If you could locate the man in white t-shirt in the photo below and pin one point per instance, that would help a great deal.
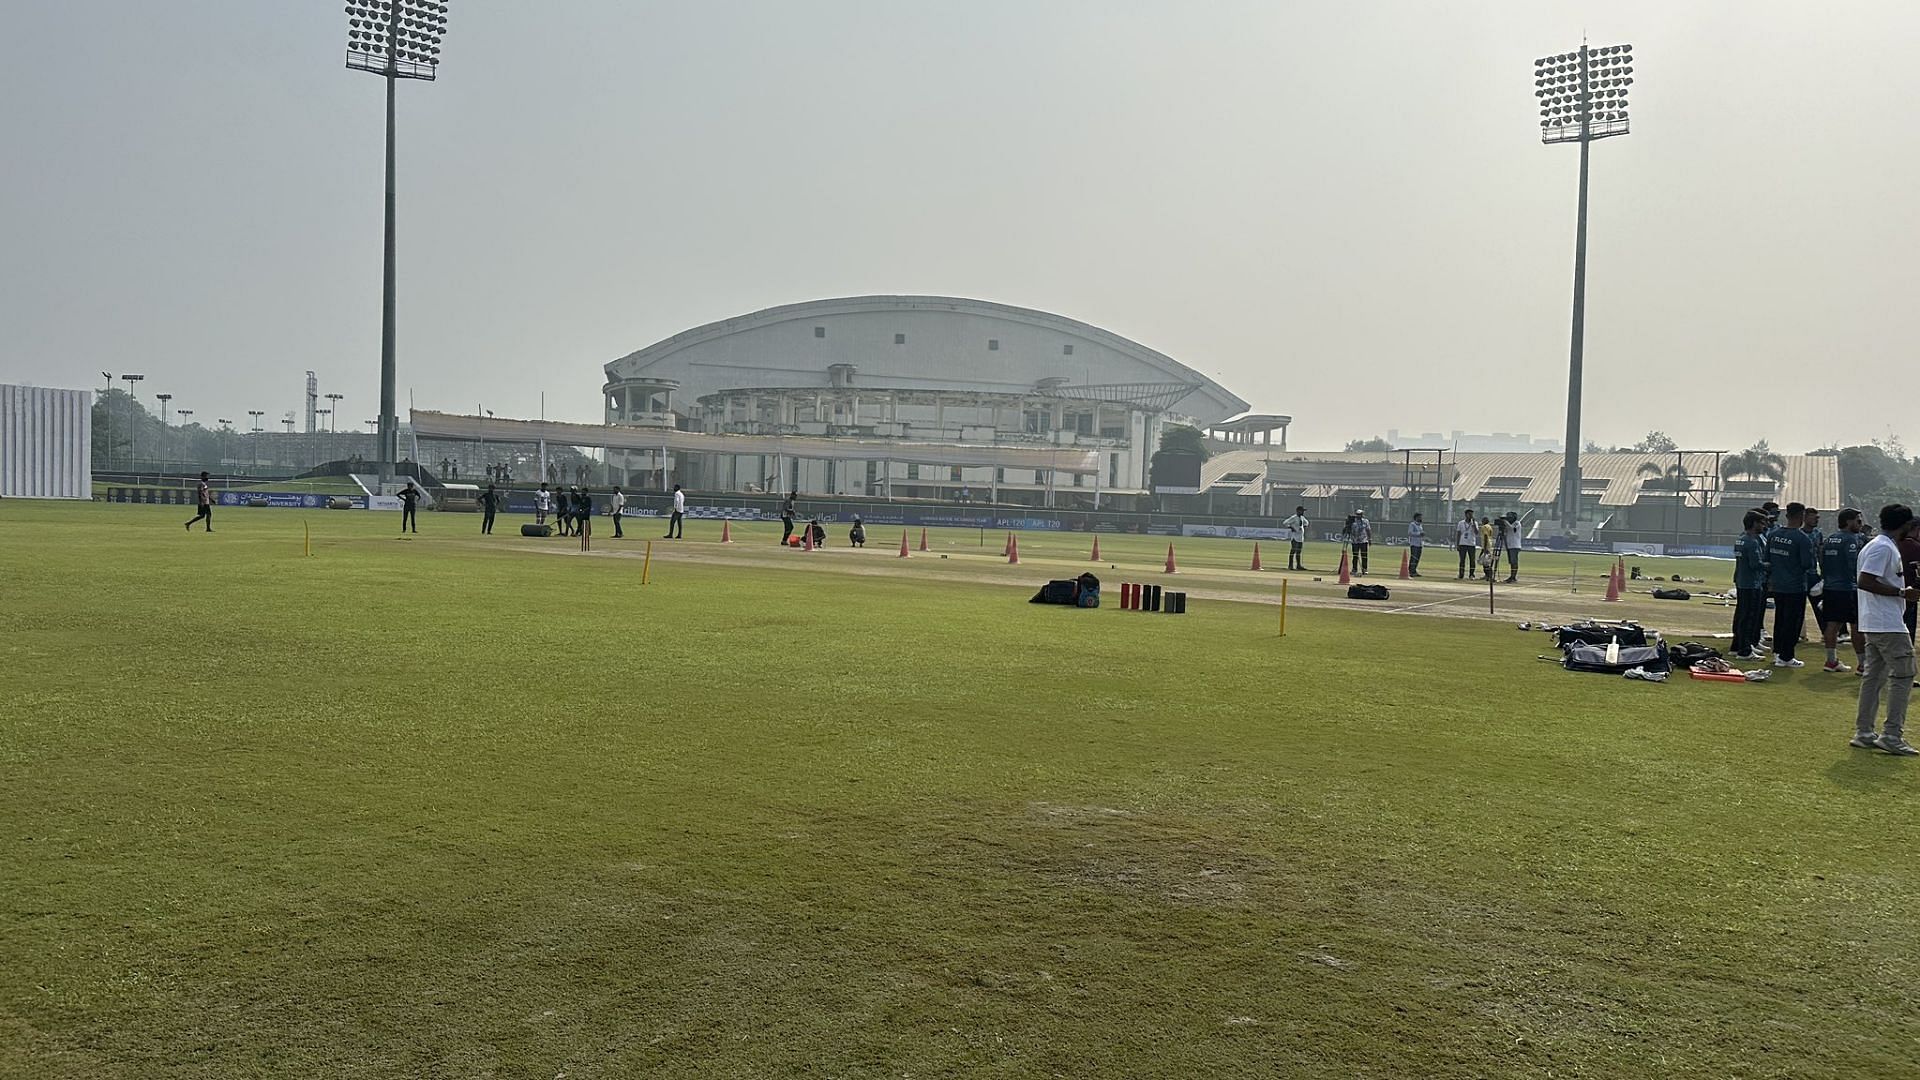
(617, 509)
(1297, 527)
(676, 530)
(1888, 663)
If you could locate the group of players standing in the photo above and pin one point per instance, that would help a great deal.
(1853, 582)
(1783, 556)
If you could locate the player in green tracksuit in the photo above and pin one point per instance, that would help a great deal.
(1840, 588)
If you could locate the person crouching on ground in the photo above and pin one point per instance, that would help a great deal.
(1416, 542)
(857, 536)
(818, 532)
(1839, 588)
(1884, 595)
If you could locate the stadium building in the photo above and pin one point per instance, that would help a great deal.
(930, 397)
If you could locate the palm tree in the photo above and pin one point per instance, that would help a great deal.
(1675, 478)
(1757, 462)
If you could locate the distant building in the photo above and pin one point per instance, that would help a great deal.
(1467, 442)
(912, 396)
(1618, 491)
(46, 443)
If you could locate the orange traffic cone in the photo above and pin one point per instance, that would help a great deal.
(923, 538)
(726, 531)
(1008, 550)
(1170, 567)
(1346, 572)
(1013, 549)
(807, 544)
(1613, 587)
(1406, 566)
(1095, 557)
(903, 544)
(1256, 555)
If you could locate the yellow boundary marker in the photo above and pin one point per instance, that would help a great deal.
(1283, 607)
(646, 565)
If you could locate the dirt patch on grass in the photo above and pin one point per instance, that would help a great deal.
(1135, 853)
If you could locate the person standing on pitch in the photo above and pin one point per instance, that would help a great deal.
(1466, 537)
(1888, 664)
(1816, 594)
(786, 519)
(1297, 527)
(1839, 591)
(1790, 562)
(1750, 587)
(203, 498)
(676, 525)
(489, 502)
(584, 505)
(616, 509)
(1362, 541)
(1513, 547)
(542, 504)
(1416, 542)
(410, 507)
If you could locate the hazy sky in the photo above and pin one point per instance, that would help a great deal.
(1342, 211)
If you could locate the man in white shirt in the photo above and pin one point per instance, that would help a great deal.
(1297, 527)
(542, 505)
(1466, 539)
(675, 529)
(1888, 663)
(617, 506)
(1416, 543)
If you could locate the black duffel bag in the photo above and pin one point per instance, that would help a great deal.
(1599, 635)
(1057, 592)
(1367, 592)
(1688, 653)
(1672, 594)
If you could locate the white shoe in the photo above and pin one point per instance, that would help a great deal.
(1835, 666)
(1777, 662)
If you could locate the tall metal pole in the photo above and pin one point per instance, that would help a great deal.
(1570, 472)
(389, 424)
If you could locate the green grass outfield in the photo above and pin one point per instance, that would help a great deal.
(458, 807)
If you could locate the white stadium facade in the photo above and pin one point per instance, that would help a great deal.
(927, 397)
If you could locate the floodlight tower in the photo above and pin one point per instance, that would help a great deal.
(133, 440)
(256, 414)
(333, 423)
(395, 39)
(107, 411)
(1583, 97)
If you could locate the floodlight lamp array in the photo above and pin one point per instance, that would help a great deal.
(1588, 87)
(399, 37)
